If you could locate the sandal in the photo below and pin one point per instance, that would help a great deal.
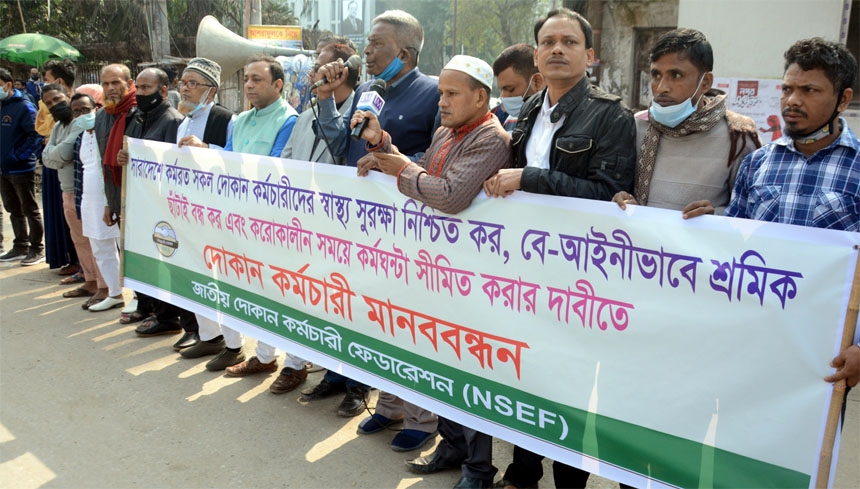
(91, 302)
(132, 318)
(79, 292)
(149, 321)
(76, 278)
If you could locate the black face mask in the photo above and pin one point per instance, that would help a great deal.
(146, 103)
(62, 112)
(34, 77)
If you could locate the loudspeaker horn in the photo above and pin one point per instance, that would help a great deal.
(230, 50)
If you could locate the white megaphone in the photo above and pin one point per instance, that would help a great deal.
(230, 50)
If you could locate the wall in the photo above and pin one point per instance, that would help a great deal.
(617, 75)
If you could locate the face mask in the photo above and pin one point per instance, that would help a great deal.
(34, 77)
(201, 104)
(512, 105)
(393, 69)
(61, 112)
(3, 93)
(673, 115)
(145, 103)
(86, 121)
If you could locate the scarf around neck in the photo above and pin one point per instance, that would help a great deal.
(704, 119)
(114, 143)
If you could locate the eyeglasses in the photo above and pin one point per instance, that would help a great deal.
(85, 110)
(193, 84)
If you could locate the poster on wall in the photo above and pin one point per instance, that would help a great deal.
(757, 99)
(352, 25)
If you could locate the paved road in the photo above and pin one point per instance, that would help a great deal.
(86, 404)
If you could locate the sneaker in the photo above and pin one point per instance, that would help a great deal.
(13, 255)
(33, 258)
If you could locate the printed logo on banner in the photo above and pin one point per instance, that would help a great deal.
(165, 239)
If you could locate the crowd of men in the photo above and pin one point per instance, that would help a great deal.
(442, 141)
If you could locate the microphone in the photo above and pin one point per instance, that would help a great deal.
(353, 63)
(371, 101)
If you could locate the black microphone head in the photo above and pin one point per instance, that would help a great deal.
(379, 86)
(353, 63)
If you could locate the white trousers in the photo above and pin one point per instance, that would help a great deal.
(106, 253)
(266, 353)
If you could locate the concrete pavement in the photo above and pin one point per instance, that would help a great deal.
(84, 403)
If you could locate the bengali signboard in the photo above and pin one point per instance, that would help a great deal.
(634, 344)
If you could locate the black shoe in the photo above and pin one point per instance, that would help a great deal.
(188, 340)
(354, 402)
(322, 390)
(158, 328)
(472, 483)
(430, 464)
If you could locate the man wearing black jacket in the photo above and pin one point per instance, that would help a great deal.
(572, 140)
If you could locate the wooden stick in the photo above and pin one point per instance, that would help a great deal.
(825, 458)
(122, 216)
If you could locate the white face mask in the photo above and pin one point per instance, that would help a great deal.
(673, 115)
(3, 93)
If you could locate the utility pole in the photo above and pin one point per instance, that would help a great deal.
(160, 32)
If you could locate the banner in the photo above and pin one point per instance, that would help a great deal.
(634, 344)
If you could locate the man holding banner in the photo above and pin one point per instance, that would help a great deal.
(447, 177)
(572, 140)
(811, 176)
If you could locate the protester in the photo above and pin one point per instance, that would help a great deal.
(263, 130)
(811, 176)
(309, 144)
(411, 100)
(447, 177)
(34, 85)
(59, 154)
(571, 140)
(100, 201)
(60, 250)
(690, 145)
(19, 144)
(518, 79)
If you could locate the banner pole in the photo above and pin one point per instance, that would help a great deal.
(122, 216)
(825, 458)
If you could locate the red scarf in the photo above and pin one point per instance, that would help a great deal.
(438, 162)
(114, 143)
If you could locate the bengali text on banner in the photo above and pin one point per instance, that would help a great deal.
(633, 344)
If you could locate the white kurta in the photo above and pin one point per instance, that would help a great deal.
(93, 201)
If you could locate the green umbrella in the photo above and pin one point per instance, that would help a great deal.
(35, 49)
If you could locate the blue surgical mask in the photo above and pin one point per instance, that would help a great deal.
(393, 69)
(3, 93)
(201, 104)
(673, 115)
(512, 105)
(86, 121)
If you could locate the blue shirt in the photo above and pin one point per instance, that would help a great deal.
(777, 183)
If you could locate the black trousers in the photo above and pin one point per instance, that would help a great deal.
(18, 192)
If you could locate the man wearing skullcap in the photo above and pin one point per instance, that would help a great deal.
(470, 146)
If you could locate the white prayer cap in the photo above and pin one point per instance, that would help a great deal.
(474, 67)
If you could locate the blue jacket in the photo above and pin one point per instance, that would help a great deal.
(409, 115)
(19, 141)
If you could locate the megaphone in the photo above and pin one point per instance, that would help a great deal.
(230, 50)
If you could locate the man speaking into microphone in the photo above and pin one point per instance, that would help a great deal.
(392, 52)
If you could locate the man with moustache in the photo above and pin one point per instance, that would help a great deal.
(206, 124)
(262, 130)
(571, 140)
(411, 101)
(811, 176)
(59, 154)
(448, 176)
(690, 144)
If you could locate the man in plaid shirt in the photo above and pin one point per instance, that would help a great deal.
(811, 176)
